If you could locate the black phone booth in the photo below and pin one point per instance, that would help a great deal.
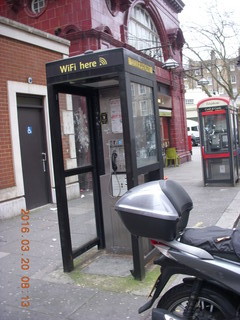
(114, 91)
(218, 124)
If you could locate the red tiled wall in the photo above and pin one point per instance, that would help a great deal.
(58, 14)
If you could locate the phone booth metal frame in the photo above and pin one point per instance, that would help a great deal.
(87, 73)
(218, 123)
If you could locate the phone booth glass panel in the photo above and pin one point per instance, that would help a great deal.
(144, 124)
(215, 132)
(219, 140)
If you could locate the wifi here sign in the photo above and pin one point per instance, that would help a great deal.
(81, 65)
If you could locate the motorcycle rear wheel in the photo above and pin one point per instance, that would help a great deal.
(211, 305)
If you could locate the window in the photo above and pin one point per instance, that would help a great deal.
(37, 6)
(112, 6)
(221, 90)
(142, 33)
(195, 128)
(34, 8)
(209, 80)
(133, 90)
(232, 67)
(189, 101)
(135, 108)
(142, 89)
(144, 108)
(235, 90)
(233, 79)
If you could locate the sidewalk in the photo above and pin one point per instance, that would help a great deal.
(209, 203)
(101, 286)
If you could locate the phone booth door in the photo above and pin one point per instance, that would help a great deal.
(219, 145)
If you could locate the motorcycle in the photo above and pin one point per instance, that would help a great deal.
(208, 258)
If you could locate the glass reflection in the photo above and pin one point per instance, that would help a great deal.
(81, 209)
(144, 124)
(75, 131)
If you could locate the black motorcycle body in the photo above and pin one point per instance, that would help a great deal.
(207, 259)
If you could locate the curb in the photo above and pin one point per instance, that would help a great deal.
(231, 215)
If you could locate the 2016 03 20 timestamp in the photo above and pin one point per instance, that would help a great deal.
(25, 260)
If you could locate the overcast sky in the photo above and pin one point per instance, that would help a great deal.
(195, 11)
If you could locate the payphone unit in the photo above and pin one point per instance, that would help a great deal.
(112, 133)
(219, 140)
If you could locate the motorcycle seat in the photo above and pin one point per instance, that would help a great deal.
(220, 242)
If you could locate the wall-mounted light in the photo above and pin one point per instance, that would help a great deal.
(170, 64)
(203, 82)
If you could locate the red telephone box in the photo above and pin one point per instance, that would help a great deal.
(219, 140)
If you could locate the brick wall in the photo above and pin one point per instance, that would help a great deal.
(18, 61)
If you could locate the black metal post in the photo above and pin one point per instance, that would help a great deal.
(138, 258)
(63, 218)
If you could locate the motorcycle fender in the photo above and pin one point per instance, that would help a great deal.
(166, 273)
(149, 304)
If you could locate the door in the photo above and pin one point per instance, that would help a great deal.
(77, 153)
(33, 151)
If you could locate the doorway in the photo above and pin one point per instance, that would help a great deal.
(33, 146)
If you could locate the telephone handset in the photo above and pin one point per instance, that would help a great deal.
(117, 156)
(114, 164)
(117, 166)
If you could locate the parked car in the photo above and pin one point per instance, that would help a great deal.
(193, 131)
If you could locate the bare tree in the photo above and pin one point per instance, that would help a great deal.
(216, 50)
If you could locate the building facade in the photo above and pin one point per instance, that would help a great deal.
(222, 79)
(148, 28)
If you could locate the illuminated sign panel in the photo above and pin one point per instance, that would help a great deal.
(140, 65)
(98, 63)
(84, 63)
(67, 68)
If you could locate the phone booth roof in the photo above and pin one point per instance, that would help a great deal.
(214, 101)
(98, 68)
